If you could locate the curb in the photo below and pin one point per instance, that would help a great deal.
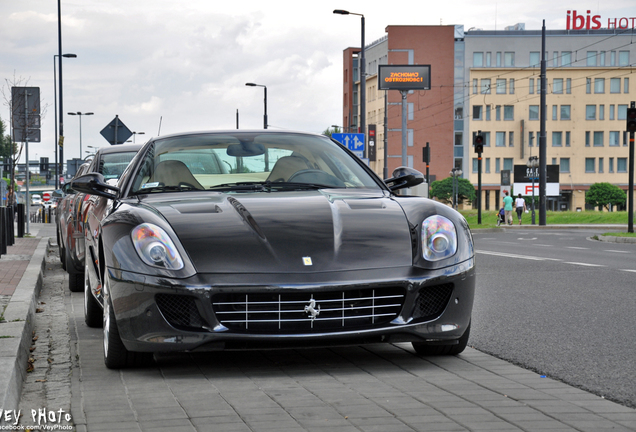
(14, 350)
(614, 239)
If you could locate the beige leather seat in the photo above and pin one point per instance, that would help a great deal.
(286, 166)
(174, 173)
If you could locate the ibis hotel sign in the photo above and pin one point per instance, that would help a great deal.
(405, 77)
(585, 21)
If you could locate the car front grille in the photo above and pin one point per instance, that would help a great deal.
(180, 311)
(432, 300)
(308, 312)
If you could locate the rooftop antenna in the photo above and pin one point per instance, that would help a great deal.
(159, 131)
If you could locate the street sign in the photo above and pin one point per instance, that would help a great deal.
(116, 132)
(46, 196)
(352, 141)
(25, 113)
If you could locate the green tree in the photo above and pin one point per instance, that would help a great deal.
(332, 130)
(443, 190)
(604, 194)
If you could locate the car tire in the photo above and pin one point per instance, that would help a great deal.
(93, 315)
(75, 278)
(116, 356)
(438, 350)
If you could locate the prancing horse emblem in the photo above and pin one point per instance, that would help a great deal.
(312, 310)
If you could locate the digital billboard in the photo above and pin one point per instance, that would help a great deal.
(405, 77)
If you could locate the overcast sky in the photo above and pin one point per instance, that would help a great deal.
(184, 65)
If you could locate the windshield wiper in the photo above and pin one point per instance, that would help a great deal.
(163, 189)
(243, 186)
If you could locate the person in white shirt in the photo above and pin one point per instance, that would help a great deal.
(520, 206)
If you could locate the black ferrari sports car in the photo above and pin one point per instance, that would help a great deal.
(267, 239)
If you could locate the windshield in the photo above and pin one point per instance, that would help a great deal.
(246, 161)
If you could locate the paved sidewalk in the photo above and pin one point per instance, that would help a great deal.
(21, 270)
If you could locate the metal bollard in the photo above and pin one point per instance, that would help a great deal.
(21, 220)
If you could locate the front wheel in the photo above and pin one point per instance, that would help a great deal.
(75, 278)
(437, 350)
(116, 356)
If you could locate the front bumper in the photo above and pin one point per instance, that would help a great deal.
(216, 312)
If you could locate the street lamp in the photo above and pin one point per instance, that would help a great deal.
(80, 114)
(363, 74)
(533, 164)
(455, 173)
(57, 173)
(137, 133)
(265, 88)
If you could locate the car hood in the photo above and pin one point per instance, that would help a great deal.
(307, 231)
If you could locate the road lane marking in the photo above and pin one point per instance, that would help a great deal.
(508, 255)
(617, 251)
(576, 247)
(584, 264)
(629, 270)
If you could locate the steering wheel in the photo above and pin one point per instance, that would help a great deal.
(317, 177)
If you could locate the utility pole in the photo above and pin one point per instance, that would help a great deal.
(543, 153)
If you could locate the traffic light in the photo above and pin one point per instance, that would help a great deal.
(44, 164)
(631, 119)
(478, 142)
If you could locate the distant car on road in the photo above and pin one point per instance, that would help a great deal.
(36, 200)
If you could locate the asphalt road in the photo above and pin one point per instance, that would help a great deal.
(561, 304)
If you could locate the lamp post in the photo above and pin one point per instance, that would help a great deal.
(455, 173)
(80, 114)
(137, 133)
(533, 164)
(363, 74)
(265, 114)
(57, 173)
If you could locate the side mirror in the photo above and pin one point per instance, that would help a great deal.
(94, 184)
(404, 177)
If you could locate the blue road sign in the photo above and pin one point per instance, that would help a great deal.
(353, 141)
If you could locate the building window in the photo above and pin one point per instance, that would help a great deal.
(611, 112)
(566, 58)
(533, 111)
(478, 59)
(564, 166)
(622, 112)
(623, 58)
(498, 59)
(531, 86)
(511, 85)
(509, 112)
(511, 139)
(601, 112)
(500, 139)
(498, 112)
(626, 85)
(488, 112)
(557, 86)
(587, 139)
(591, 58)
(621, 165)
(565, 112)
(475, 86)
(477, 112)
(588, 85)
(590, 112)
(615, 85)
(487, 165)
(568, 85)
(567, 138)
(501, 86)
(554, 161)
(625, 135)
(599, 85)
(598, 138)
(530, 139)
(614, 138)
(488, 58)
(557, 139)
(590, 165)
(610, 168)
(601, 58)
(600, 165)
(475, 165)
(555, 59)
(507, 164)
(509, 58)
(554, 112)
(486, 136)
(497, 165)
(535, 59)
(485, 86)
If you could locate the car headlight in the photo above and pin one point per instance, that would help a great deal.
(155, 248)
(439, 238)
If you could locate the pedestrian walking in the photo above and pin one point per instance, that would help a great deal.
(520, 206)
(507, 204)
